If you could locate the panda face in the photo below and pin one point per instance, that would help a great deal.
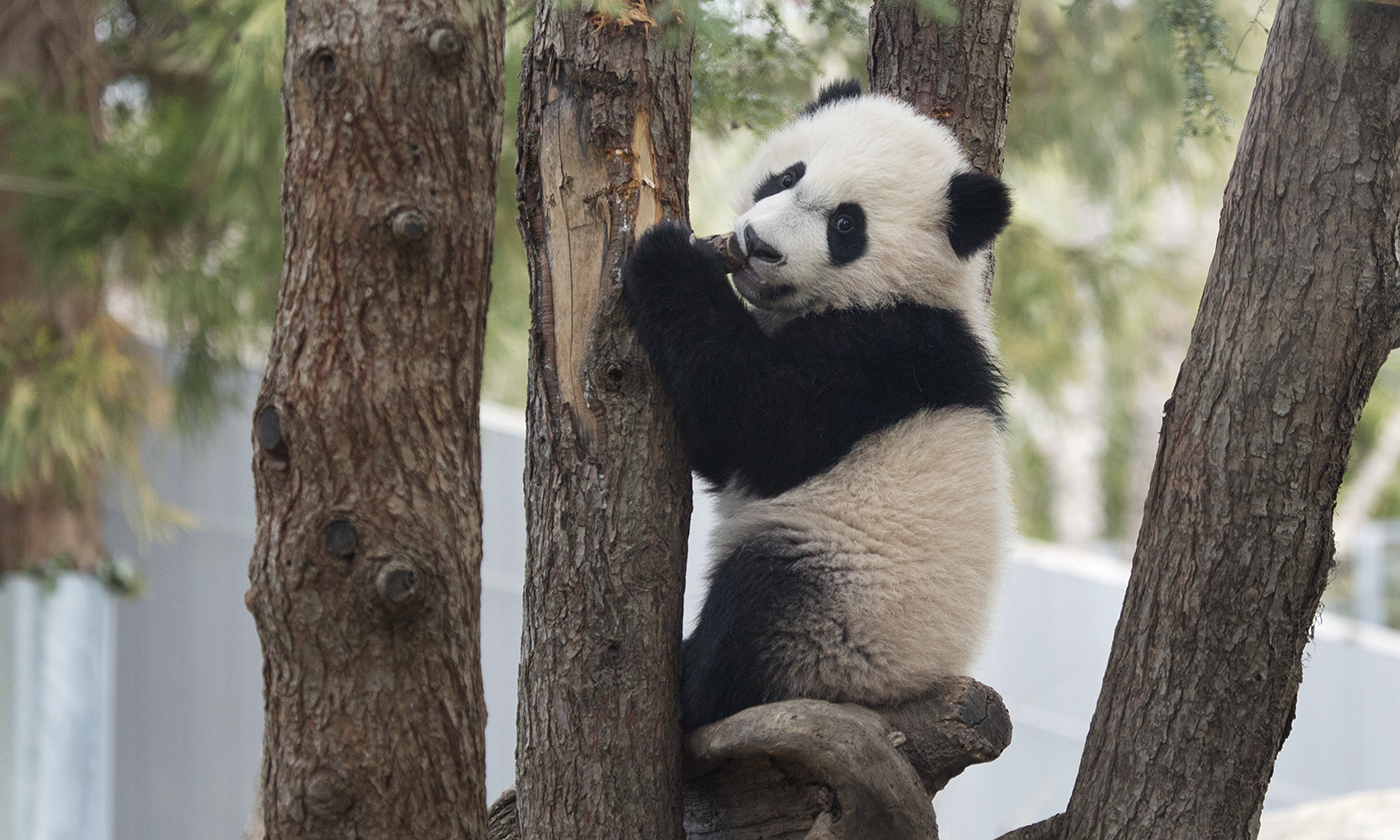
(862, 202)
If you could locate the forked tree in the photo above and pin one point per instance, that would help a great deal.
(604, 122)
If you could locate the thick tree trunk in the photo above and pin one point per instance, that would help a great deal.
(1298, 314)
(604, 153)
(50, 46)
(959, 73)
(366, 574)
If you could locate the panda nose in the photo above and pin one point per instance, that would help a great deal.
(757, 249)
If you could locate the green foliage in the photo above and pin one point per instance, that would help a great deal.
(751, 69)
(1113, 225)
(71, 400)
(167, 199)
(1200, 34)
(179, 199)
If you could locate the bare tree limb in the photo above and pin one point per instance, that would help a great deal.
(813, 770)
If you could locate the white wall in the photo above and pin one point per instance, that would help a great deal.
(55, 708)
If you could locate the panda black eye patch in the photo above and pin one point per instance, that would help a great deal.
(845, 234)
(785, 180)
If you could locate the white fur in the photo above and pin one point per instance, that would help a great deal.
(881, 154)
(910, 530)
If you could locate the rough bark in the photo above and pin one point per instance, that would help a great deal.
(50, 45)
(959, 73)
(366, 573)
(604, 153)
(1299, 312)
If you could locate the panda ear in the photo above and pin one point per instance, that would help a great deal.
(979, 206)
(834, 92)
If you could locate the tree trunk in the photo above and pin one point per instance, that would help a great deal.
(52, 47)
(959, 73)
(1298, 313)
(366, 574)
(604, 154)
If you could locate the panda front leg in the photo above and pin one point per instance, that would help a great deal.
(699, 336)
(678, 294)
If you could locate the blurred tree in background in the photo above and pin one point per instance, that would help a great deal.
(142, 194)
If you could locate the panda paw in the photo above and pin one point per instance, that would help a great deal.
(669, 255)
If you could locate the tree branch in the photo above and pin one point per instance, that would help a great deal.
(813, 770)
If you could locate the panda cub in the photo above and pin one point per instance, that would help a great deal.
(851, 421)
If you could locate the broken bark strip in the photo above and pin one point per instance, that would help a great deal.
(812, 769)
(604, 153)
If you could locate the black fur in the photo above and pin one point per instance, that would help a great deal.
(765, 583)
(834, 92)
(772, 411)
(979, 207)
(779, 182)
(845, 234)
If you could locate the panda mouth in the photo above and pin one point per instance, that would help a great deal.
(758, 291)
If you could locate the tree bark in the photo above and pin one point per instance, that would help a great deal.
(604, 154)
(52, 47)
(1298, 313)
(959, 73)
(366, 573)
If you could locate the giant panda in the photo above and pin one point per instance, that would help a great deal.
(849, 416)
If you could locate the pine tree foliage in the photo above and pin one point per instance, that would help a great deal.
(166, 206)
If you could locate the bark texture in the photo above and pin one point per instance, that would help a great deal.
(50, 45)
(604, 154)
(1299, 311)
(959, 73)
(366, 574)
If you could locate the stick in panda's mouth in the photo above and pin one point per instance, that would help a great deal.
(728, 247)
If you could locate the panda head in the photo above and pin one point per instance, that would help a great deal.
(861, 202)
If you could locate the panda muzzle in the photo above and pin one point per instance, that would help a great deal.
(759, 250)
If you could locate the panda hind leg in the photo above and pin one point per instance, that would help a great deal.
(738, 656)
